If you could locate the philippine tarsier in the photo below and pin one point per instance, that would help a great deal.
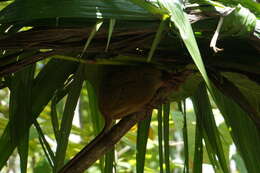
(124, 91)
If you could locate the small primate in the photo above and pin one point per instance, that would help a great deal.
(123, 91)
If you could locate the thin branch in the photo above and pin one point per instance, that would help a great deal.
(105, 144)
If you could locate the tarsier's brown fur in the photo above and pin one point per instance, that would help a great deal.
(124, 91)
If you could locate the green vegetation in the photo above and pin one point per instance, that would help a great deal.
(54, 56)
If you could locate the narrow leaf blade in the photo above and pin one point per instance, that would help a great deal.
(48, 80)
(142, 136)
(91, 36)
(160, 138)
(157, 38)
(211, 136)
(112, 23)
(166, 129)
(67, 118)
(198, 153)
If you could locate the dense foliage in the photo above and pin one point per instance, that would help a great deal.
(54, 56)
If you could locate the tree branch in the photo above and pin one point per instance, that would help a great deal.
(105, 144)
(16, 66)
